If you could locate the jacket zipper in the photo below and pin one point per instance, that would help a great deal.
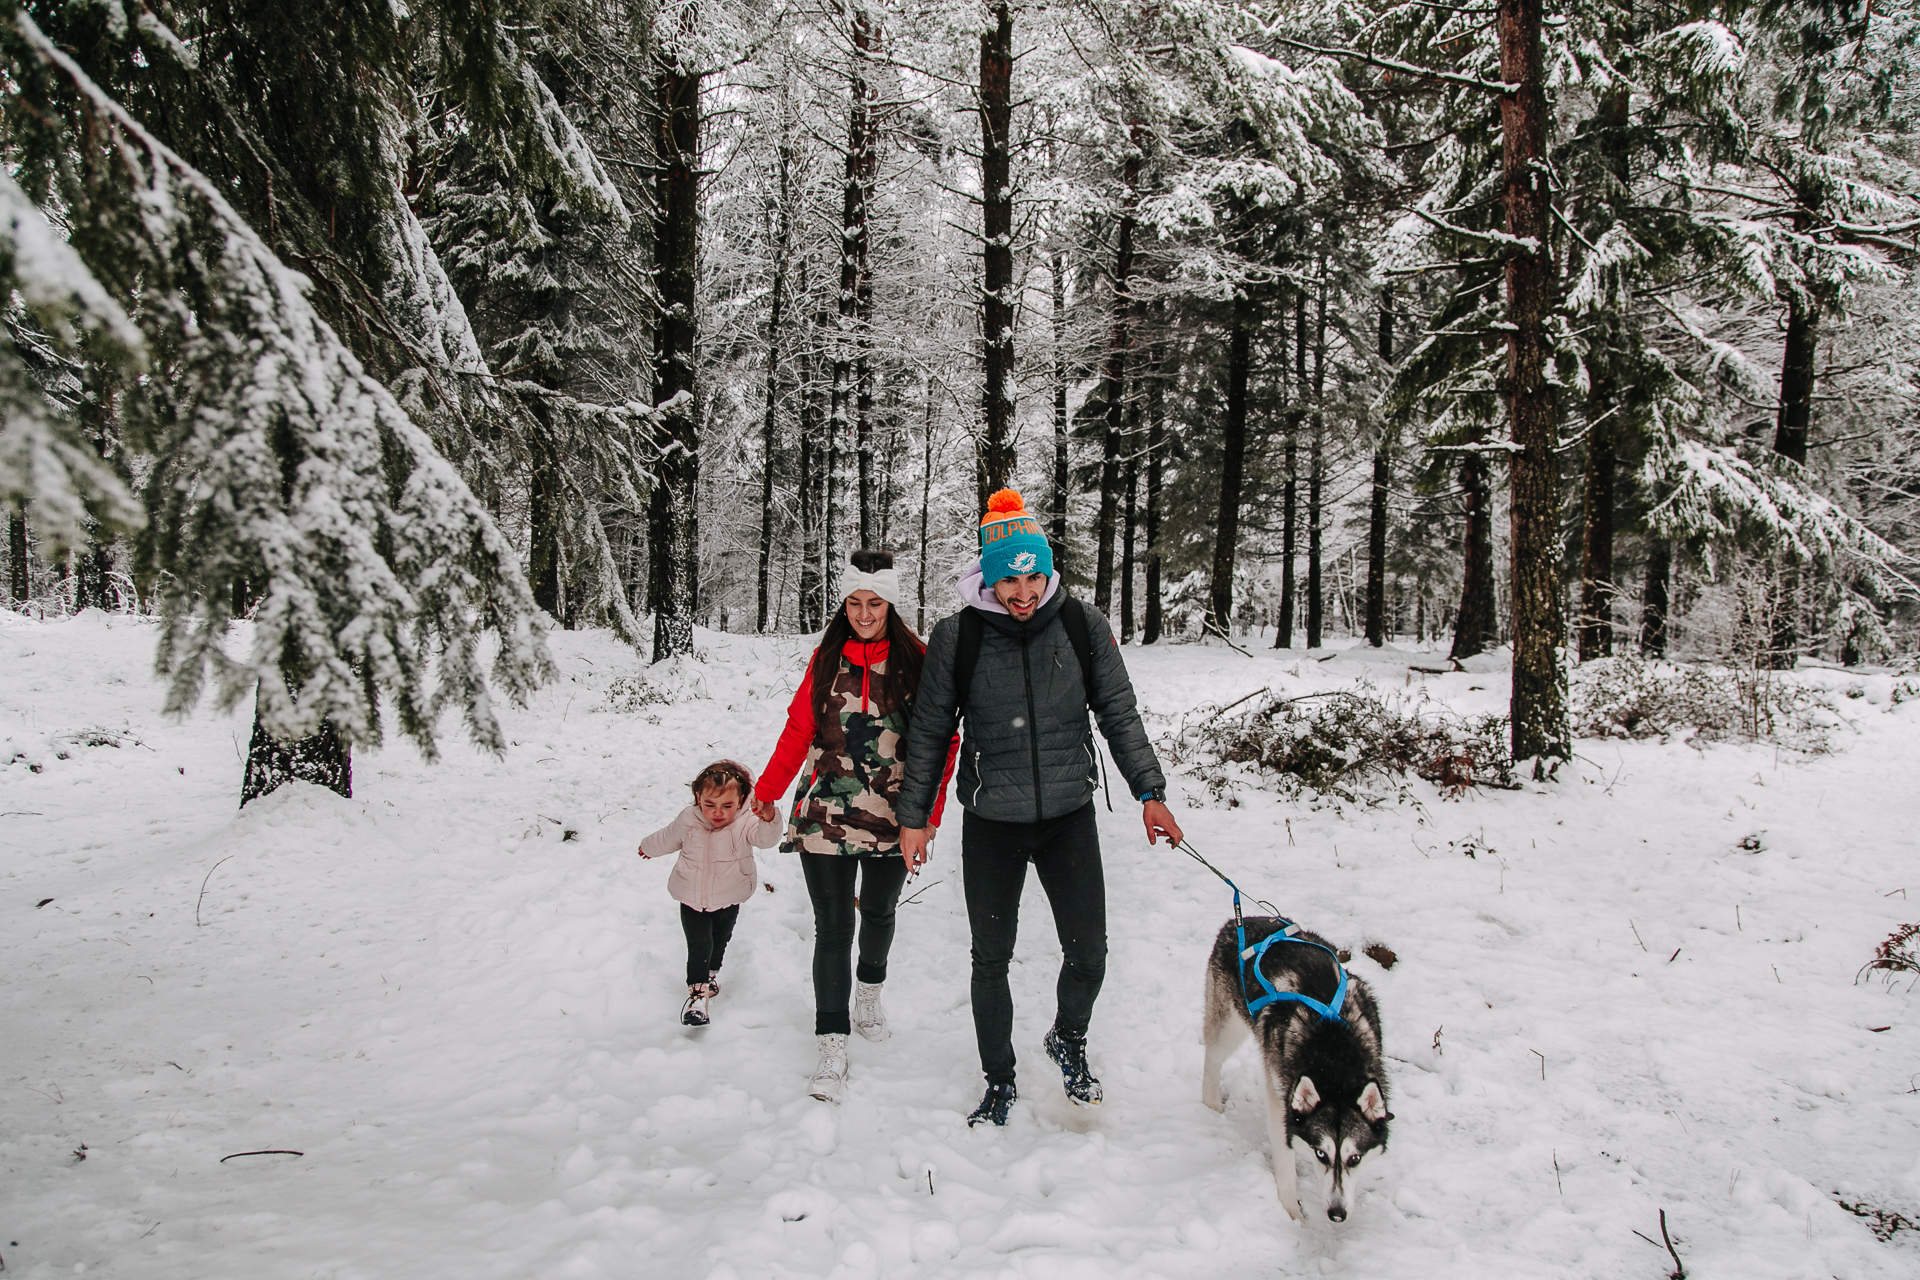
(978, 779)
(1033, 730)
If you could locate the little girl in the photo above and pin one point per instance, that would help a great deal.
(715, 837)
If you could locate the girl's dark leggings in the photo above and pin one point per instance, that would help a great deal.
(708, 933)
(830, 883)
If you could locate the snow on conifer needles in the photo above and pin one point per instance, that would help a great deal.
(287, 478)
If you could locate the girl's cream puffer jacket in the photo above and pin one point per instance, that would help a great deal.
(716, 868)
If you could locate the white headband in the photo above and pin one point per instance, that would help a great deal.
(884, 583)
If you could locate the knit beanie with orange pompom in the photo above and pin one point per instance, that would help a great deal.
(1010, 540)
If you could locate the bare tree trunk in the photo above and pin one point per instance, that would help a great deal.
(1156, 450)
(1377, 513)
(926, 503)
(544, 498)
(1226, 529)
(1062, 465)
(1799, 370)
(1595, 632)
(1115, 380)
(1128, 521)
(1290, 499)
(1539, 696)
(19, 584)
(672, 534)
(996, 196)
(782, 250)
(1317, 470)
(1475, 627)
(1653, 598)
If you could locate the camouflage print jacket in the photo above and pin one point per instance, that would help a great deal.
(853, 761)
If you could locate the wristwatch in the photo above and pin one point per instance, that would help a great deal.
(1154, 793)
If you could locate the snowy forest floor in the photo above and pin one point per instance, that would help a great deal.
(456, 994)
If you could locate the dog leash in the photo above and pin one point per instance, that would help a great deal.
(1288, 932)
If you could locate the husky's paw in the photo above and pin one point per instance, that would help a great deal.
(1294, 1211)
(1213, 1101)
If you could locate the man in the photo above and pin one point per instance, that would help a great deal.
(1023, 663)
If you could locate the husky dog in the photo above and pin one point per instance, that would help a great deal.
(1325, 1089)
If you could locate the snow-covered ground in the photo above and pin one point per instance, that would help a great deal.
(456, 995)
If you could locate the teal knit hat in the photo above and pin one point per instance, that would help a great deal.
(1010, 540)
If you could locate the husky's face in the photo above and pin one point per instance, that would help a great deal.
(1339, 1134)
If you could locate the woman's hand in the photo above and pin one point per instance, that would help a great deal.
(765, 811)
(916, 846)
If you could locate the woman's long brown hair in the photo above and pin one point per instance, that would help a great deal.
(905, 650)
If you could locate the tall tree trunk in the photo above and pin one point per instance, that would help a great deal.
(996, 198)
(776, 308)
(862, 164)
(1653, 597)
(1799, 369)
(321, 758)
(1317, 471)
(1595, 632)
(545, 496)
(1539, 695)
(1156, 450)
(926, 504)
(19, 584)
(1128, 520)
(1114, 383)
(1062, 463)
(672, 534)
(1476, 626)
(1377, 513)
(809, 585)
(1226, 535)
(1290, 498)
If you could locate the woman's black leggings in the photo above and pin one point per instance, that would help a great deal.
(830, 883)
(708, 933)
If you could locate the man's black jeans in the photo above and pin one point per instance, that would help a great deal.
(1065, 853)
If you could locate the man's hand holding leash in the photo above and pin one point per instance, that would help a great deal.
(1159, 820)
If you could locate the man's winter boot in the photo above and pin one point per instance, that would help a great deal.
(694, 1012)
(1069, 1053)
(993, 1106)
(869, 1019)
(830, 1078)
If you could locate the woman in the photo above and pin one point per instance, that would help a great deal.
(848, 725)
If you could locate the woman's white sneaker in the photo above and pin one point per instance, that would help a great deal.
(869, 1019)
(830, 1078)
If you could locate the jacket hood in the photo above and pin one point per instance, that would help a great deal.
(973, 590)
(864, 653)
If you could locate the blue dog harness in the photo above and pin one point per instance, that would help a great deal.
(1287, 932)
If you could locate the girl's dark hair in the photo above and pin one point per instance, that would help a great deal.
(720, 775)
(905, 650)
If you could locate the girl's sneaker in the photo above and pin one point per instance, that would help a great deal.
(830, 1078)
(869, 1019)
(694, 1012)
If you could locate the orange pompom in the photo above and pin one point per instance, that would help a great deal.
(1006, 500)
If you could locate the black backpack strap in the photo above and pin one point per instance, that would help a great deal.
(966, 656)
(1073, 615)
(966, 651)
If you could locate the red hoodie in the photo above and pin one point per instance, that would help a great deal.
(797, 738)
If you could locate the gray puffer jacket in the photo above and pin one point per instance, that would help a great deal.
(1028, 751)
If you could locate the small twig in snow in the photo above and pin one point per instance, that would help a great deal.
(274, 1151)
(1556, 1174)
(1679, 1268)
(1436, 1038)
(1543, 1062)
(203, 891)
(1674, 956)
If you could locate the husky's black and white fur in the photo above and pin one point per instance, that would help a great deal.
(1325, 1089)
